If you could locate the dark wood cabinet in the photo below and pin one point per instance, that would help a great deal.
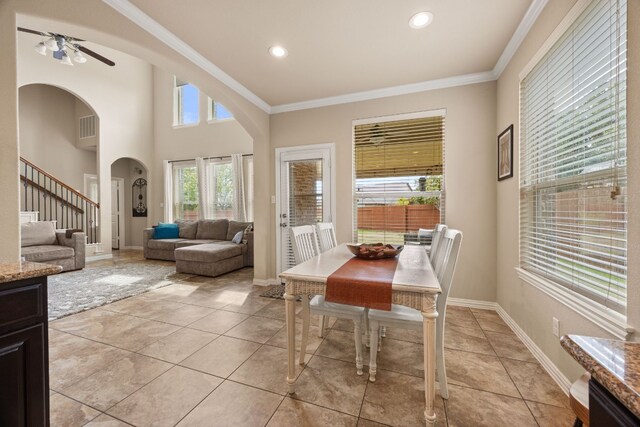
(24, 354)
(606, 410)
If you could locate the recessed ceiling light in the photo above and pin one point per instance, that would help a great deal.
(278, 51)
(420, 20)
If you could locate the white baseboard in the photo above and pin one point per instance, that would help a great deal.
(98, 257)
(135, 248)
(471, 303)
(546, 363)
(555, 373)
(266, 282)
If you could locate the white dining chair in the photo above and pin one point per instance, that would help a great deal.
(327, 239)
(305, 246)
(409, 318)
(438, 232)
(326, 236)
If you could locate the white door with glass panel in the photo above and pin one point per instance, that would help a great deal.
(305, 193)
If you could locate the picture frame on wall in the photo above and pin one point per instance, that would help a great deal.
(505, 154)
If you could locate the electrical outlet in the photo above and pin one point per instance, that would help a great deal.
(556, 327)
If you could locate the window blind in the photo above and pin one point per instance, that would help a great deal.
(573, 186)
(399, 186)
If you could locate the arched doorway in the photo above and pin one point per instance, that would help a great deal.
(129, 203)
(58, 156)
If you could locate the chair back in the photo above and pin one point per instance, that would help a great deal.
(445, 267)
(438, 232)
(304, 242)
(326, 236)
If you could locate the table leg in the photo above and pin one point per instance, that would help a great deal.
(429, 314)
(290, 307)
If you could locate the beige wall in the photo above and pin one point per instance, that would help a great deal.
(48, 134)
(101, 24)
(530, 308)
(9, 176)
(469, 162)
(188, 142)
(133, 226)
(122, 98)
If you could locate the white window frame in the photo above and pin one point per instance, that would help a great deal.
(603, 317)
(397, 117)
(177, 107)
(174, 166)
(211, 118)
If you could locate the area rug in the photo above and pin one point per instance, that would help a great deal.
(76, 291)
(275, 291)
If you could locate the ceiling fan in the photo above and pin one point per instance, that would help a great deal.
(63, 46)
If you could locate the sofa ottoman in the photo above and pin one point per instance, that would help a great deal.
(210, 259)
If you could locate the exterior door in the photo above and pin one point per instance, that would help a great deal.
(305, 196)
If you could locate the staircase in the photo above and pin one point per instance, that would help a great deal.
(56, 201)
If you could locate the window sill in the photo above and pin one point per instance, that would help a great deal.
(190, 125)
(605, 318)
(230, 119)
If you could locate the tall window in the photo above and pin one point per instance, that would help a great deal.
(573, 183)
(185, 103)
(185, 191)
(218, 112)
(398, 178)
(221, 188)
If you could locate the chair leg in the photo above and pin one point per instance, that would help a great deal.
(379, 329)
(374, 333)
(305, 328)
(357, 333)
(383, 332)
(440, 367)
(324, 320)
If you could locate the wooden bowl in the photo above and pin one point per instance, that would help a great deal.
(372, 251)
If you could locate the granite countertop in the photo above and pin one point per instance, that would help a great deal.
(10, 272)
(613, 363)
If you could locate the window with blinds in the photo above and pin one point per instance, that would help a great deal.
(399, 178)
(573, 158)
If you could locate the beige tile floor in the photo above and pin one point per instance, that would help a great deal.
(211, 352)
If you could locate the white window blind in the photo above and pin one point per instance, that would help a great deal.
(399, 185)
(573, 186)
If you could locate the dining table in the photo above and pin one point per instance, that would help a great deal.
(414, 285)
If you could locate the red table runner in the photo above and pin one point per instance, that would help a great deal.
(365, 283)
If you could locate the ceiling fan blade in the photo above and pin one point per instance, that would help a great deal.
(95, 55)
(26, 30)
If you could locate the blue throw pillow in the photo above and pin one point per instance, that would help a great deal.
(166, 231)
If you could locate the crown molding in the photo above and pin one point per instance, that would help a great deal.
(518, 36)
(444, 83)
(130, 11)
(147, 23)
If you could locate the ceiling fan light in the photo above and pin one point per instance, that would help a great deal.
(52, 44)
(66, 60)
(79, 57)
(40, 48)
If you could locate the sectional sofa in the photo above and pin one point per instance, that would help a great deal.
(204, 247)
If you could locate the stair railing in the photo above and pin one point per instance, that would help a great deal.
(57, 201)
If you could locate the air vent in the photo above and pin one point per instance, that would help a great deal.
(87, 127)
